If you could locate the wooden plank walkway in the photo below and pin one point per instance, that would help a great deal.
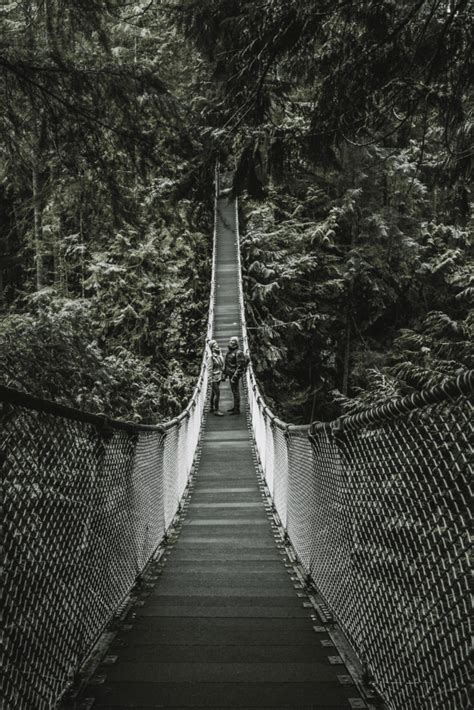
(222, 626)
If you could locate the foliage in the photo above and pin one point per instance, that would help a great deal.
(54, 352)
(105, 238)
(350, 126)
(381, 298)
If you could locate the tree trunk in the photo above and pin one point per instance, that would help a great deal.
(38, 226)
(347, 352)
(435, 202)
(60, 278)
(350, 294)
(2, 295)
(58, 267)
(83, 267)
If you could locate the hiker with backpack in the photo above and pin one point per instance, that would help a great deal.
(236, 363)
(216, 369)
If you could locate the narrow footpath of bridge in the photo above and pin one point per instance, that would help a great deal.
(222, 625)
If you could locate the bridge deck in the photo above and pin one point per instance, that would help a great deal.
(223, 627)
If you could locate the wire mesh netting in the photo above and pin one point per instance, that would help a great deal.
(84, 510)
(378, 514)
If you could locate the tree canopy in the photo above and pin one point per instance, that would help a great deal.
(350, 127)
(105, 206)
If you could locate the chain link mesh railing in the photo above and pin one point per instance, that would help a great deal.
(377, 508)
(86, 503)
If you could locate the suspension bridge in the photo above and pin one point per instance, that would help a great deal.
(236, 562)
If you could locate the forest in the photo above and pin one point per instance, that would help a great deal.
(349, 127)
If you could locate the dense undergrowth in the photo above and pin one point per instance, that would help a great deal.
(348, 303)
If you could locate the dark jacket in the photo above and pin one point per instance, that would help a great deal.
(234, 363)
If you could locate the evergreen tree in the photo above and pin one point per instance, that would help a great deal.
(105, 239)
(349, 123)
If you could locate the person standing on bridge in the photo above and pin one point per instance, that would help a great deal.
(235, 364)
(216, 368)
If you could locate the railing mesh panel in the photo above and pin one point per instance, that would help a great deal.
(148, 494)
(269, 453)
(84, 510)
(170, 478)
(301, 495)
(280, 473)
(379, 517)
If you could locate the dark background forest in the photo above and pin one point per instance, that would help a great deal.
(349, 126)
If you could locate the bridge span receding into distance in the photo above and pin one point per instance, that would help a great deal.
(237, 561)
